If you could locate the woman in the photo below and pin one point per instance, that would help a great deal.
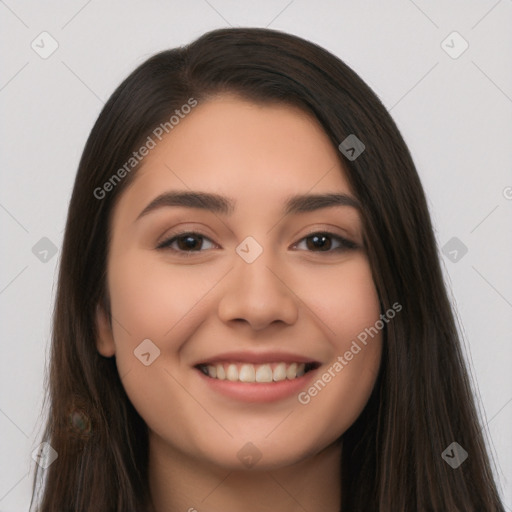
(212, 349)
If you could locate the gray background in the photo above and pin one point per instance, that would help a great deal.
(454, 113)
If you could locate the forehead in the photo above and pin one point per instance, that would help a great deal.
(248, 151)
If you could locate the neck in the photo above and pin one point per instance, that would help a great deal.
(179, 483)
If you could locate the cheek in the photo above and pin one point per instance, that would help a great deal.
(157, 301)
(154, 299)
(357, 340)
(349, 310)
(345, 300)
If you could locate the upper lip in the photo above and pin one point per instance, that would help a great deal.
(257, 358)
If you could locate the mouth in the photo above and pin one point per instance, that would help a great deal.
(249, 373)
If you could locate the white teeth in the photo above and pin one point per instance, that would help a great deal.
(291, 371)
(264, 373)
(279, 372)
(221, 374)
(246, 372)
(232, 373)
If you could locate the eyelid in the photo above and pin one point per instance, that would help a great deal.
(328, 230)
(346, 244)
(176, 234)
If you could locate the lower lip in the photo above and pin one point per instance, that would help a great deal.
(259, 392)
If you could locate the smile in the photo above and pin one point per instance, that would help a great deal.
(256, 373)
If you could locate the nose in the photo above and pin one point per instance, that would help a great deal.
(257, 294)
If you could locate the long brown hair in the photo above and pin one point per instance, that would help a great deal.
(422, 400)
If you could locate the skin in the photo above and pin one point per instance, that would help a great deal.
(292, 298)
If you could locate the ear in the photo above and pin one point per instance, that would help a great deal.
(105, 339)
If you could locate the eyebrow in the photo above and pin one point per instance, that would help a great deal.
(226, 206)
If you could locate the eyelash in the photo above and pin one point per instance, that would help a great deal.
(345, 245)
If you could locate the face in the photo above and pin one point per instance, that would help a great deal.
(236, 317)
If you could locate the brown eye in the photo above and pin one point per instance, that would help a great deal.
(185, 242)
(323, 242)
(320, 242)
